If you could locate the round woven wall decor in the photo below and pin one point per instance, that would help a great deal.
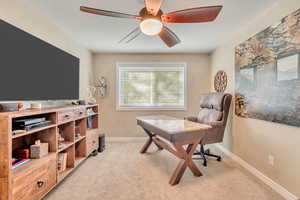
(220, 82)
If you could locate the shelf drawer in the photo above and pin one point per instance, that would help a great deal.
(92, 140)
(65, 116)
(36, 181)
(78, 113)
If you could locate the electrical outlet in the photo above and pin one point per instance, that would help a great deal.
(271, 160)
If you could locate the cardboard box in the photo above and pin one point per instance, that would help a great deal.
(39, 150)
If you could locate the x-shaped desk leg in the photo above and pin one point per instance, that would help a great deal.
(149, 141)
(184, 154)
(187, 161)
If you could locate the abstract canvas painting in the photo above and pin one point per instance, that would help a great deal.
(267, 73)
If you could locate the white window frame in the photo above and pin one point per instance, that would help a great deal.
(147, 65)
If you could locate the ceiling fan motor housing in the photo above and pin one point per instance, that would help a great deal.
(145, 15)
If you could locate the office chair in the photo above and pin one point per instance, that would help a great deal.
(214, 110)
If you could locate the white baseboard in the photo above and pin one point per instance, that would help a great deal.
(126, 139)
(275, 186)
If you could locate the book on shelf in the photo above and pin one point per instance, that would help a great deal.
(62, 162)
(89, 122)
(19, 162)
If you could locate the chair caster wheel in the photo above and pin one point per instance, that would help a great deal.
(219, 159)
(94, 153)
(207, 151)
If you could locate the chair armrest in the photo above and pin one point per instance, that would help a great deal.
(191, 118)
(215, 124)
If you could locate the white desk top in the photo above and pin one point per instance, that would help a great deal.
(172, 125)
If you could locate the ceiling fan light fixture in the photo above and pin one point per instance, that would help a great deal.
(151, 27)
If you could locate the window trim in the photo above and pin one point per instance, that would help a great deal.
(151, 64)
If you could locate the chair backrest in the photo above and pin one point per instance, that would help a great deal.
(214, 110)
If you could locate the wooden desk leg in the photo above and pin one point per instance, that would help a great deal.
(193, 167)
(149, 142)
(187, 161)
(146, 145)
(179, 171)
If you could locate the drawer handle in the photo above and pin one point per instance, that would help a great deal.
(80, 113)
(94, 142)
(40, 184)
(67, 116)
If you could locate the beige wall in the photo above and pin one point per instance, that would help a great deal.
(122, 123)
(253, 140)
(19, 14)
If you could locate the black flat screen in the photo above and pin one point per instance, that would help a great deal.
(32, 69)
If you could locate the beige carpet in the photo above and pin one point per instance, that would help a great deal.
(122, 173)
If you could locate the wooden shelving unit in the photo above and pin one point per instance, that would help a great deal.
(90, 115)
(64, 174)
(79, 160)
(78, 125)
(65, 146)
(19, 171)
(79, 139)
(33, 131)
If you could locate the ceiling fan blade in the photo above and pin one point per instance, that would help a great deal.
(192, 15)
(153, 6)
(169, 37)
(132, 35)
(108, 13)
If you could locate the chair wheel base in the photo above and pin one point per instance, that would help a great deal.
(207, 151)
(203, 153)
(94, 153)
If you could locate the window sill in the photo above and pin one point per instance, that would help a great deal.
(150, 109)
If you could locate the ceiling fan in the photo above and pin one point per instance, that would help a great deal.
(152, 19)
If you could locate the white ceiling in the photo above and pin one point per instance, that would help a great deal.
(101, 34)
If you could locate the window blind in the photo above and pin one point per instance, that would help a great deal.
(154, 86)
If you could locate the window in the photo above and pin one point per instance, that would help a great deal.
(287, 68)
(151, 86)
